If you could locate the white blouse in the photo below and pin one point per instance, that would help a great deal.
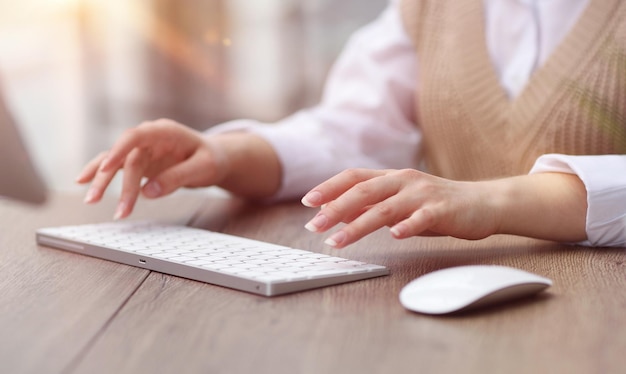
(366, 115)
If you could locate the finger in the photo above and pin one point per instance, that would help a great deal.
(99, 183)
(419, 223)
(89, 171)
(337, 185)
(134, 169)
(384, 213)
(352, 202)
(136, 137)
(184, 174)
(355, 215)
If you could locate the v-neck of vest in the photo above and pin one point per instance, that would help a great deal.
(481, 89)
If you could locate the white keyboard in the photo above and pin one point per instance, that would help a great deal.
(220, 259)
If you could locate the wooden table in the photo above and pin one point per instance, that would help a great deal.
(66, 313)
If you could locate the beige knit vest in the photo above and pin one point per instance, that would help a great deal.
(573, 104)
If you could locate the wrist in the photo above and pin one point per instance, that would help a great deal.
(497, 196)
(504, 196)
(547, 206)
(250, 165)
(220, 163)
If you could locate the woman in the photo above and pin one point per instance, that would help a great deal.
(493, 99)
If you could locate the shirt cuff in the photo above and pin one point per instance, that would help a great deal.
(604, 178)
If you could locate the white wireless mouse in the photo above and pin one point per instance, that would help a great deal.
(466, 287)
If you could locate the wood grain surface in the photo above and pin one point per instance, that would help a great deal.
(67, 313)
(53, 304)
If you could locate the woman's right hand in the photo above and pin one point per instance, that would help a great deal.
(168, 154)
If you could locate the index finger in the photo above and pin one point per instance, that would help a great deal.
(89, 171)
(337, 185)
(136, 137)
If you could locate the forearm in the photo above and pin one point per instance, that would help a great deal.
(549, 206)
(251, 164)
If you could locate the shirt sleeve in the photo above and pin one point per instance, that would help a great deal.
(604, 178)
(365, 118)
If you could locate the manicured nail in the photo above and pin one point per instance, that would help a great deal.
(152, 189)
(121, 210)
(312, 199)
(78, 178)
(90, 196)
(316, 223)
(397, 230)
(336, 239)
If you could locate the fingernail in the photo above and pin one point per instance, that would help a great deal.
(152, 189)
(312, 199)
(336, 239)
(121, 211)
(90, 196)
(78, 178)
(397, 231)
(316, 223)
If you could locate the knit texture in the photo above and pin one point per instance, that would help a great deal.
(574, 104)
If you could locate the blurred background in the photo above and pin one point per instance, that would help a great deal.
(78, 72)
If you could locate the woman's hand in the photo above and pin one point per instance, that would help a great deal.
(550, 206)
(409, 201)
(167, 153)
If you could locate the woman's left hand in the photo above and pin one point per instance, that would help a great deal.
(409, 201)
